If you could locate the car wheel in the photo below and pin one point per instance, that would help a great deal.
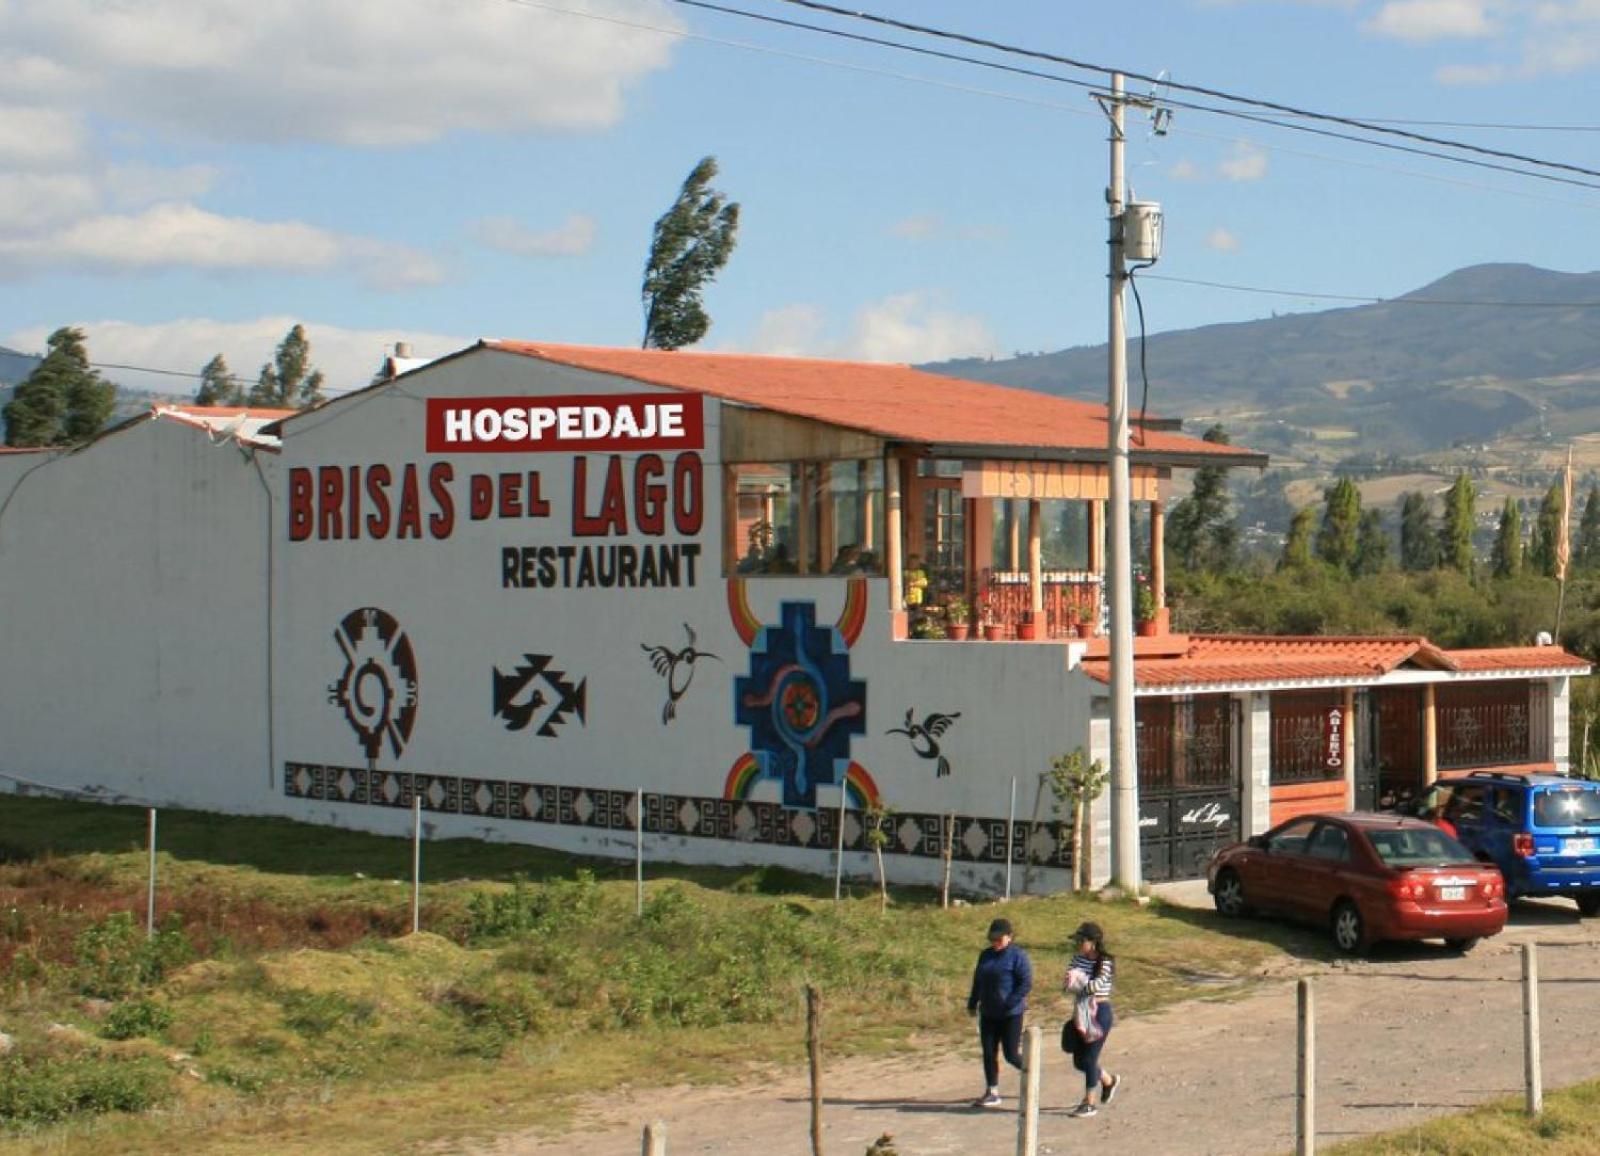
(1349, 930)
(1462, 946)
(1589, 903)
(1229, 895)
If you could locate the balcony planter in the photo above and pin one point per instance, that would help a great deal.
(994, 632)
(1148, 628)
(1027, 631)
(957, 631)
(1084, 629)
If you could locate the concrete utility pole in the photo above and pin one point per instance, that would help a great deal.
(1125, 865)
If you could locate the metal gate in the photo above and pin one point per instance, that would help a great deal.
(1189, 782)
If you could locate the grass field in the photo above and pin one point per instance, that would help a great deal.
(1569, 1126)
(285, 1004)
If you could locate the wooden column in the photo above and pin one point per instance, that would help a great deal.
(892, 536)
(865, 525)
(1014, 524)
(1158, 554)
(730, 520)
(802, 536)
(1430, 736)
(1035, 562)
(1097, 528)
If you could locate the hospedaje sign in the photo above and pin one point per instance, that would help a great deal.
(654, 496)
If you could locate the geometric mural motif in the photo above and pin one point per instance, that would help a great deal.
(533, 693)
(977, 839)
(377, 690)
(800, 703)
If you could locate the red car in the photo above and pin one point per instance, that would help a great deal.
(1365, 877)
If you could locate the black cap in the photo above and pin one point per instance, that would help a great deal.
(1000, 927)
(1088, 931)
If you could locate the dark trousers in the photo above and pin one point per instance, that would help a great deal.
(996, 1034)
(1086, 1056)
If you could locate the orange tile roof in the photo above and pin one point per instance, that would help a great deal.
(890, 401)
(1200, 660)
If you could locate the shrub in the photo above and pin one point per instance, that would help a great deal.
(115, 958)
(553, 908)
(143, 1017)
(40, 1091)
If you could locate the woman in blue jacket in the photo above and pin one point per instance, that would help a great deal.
(1000, 986)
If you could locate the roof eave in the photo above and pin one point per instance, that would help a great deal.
(1175, 458)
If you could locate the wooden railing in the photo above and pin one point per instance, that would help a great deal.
(1068, 594)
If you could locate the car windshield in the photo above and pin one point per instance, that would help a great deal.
(1566, 807)
(1417, 847)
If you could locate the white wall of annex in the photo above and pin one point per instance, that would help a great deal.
(135, 621)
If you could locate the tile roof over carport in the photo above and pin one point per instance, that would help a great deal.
(1199, 661)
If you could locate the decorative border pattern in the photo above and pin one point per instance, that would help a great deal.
(978, 839)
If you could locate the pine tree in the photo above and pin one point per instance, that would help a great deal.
(1201, 535)
(691, 243)
(287, 381)
(1546, 532)
(63, 401)
(1297, 545)
(218, 386)
(1455, 532)
(1506, 561)
(1372, 545)
(1419, 544)
(1341, 524)
(1586, 556)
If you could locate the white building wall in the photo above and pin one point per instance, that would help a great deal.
(133, 577)
(1010, 709)
(1561, 724)
(1256, 770)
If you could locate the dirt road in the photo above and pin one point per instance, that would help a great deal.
(1412, 1033)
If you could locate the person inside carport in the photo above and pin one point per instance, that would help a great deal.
(999, 998)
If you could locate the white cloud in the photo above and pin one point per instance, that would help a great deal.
(905, 327)
(1427, 20)
(137, 183)
(361, 72)
(30, 202)
(184, 236)
(348, 357)
(1184, 170)
(1245, 162)
(572, 239)
(40, 139)
(917, 228)
(1222, 240)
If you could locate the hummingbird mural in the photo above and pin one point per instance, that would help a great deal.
(677, 667)
(924, 736)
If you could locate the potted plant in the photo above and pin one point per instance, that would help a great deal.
(992, 630)
(958, 613)
(1083, 620)
(916, 582)
(1028, 628)
(927, 626)
(1144, 607)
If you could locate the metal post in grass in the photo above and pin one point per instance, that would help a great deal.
(838, 859)
(1011, 833)
(814, 1050)
(1305, 1122)
(1530, 1028)
(655, 1139)
(638, 851)
(416, 864)
(150, 896)
(1028, 1106)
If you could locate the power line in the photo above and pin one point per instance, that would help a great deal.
(1366, 300)
(1202, 90)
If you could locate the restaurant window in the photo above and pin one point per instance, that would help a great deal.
(808, 518)
(1308, 737)
(1063, 534)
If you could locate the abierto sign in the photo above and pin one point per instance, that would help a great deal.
(571, 424)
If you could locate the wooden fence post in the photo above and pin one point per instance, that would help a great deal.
(949, 854)
(1028, 1107)
(1305, 1123)
(1530, 1029)
(655, 1139)
(814, 1049)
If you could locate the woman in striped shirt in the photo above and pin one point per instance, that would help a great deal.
(1089, 983)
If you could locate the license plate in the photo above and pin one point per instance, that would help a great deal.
(1452, 893)
(1578, 846)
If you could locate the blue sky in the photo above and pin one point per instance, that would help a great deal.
(188, 177)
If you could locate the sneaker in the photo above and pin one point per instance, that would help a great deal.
(1110, 1090)
(988, 1100)
(1083, 1110)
